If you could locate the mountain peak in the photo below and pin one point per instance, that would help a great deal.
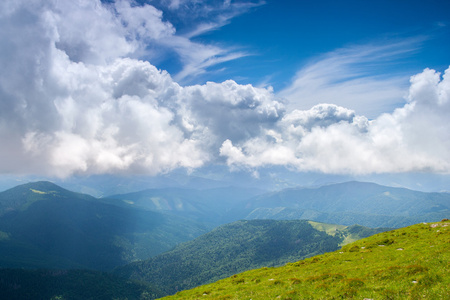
(31, 192)
(40, 186)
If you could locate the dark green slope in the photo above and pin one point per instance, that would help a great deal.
(349, 203)
(43, 225)
(19, 284)
(236, 247)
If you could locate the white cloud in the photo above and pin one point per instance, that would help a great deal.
(197, 18)
(70, 103)
(111, 119)
(353, 77)
(230, 111)
(143, 22)
(219, 13)
(332, 139)
(198, 58)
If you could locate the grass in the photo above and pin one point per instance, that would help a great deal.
(332, 230)
(407, 263)
(38, 192)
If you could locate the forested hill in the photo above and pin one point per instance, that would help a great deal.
(45, 226)
(236, 247)
(407, 263)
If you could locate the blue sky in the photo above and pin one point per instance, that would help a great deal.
(276, 39)
(352, 88)
(281, 37)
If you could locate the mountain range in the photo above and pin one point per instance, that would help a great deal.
(349, 203)
(346, 203)
(179, 238)
(44, 225)
(212, 206)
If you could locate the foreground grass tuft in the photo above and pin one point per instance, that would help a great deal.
(407, 263)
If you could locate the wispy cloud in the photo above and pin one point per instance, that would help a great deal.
(219, 14)
(197, 18)
(360, 77)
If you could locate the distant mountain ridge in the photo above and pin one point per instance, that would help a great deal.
(349, 203)
(206, 205)
(53, 226)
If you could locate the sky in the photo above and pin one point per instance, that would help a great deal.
(91, 87)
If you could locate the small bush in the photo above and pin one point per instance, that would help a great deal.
(224, 297)
(386, 242)
(354, 249)
(353, 282)
(414, 269)
(276, 282)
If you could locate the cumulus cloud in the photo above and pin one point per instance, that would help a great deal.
(76, 99)
(332, 139)
(72, 102)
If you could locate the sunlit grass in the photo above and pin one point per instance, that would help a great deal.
(38, 192)
(408, 263)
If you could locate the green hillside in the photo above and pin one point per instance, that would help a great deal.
(45, 226)
(240, 246)
(407, 263)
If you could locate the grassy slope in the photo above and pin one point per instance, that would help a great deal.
(349, 234)
(408, 263)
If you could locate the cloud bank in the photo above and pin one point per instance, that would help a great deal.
(333, 139)
(75, 98)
